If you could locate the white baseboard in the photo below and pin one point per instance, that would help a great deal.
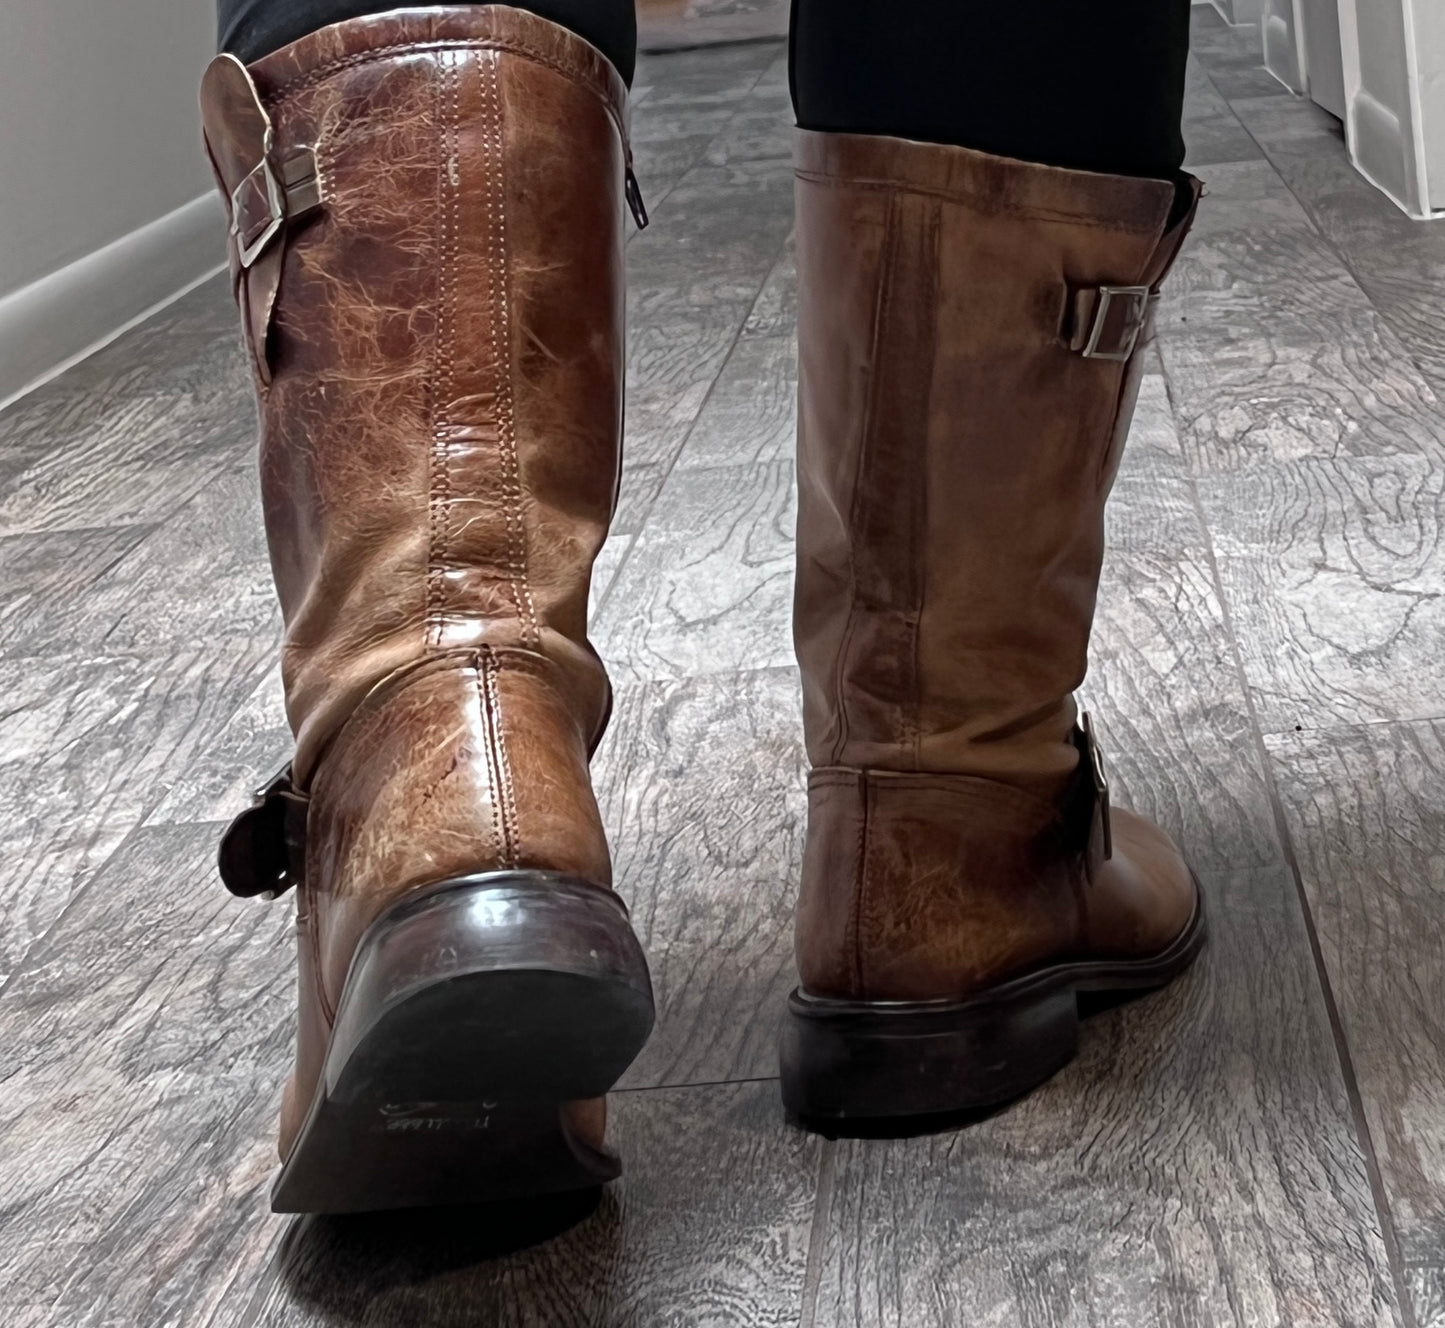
(47, 326)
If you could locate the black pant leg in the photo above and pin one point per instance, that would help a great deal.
(1094, 85)
(250, 29)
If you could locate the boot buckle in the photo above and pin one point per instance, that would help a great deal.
(1119, 316)
(263, 202)
(263, 852)
(1093, 754)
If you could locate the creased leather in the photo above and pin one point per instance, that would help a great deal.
(955, 455)
(439, 456)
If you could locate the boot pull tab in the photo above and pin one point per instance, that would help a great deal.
(633, 193)
(263, 852)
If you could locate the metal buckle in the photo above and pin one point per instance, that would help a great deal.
(1100, 777)
(1133, 325)
(275, 206)
(262, 853)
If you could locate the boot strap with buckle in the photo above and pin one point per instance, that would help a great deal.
(263, 852)
(266, 193)
(1107, 322)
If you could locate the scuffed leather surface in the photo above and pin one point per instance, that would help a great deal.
(927, 887)
(954, 461)
(440, 443)
(439, 458)
(463, 764)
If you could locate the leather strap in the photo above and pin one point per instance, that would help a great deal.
(1106, 322)
(265, 195)
(263, 852)
(1094, 797)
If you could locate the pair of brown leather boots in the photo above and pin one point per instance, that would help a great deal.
(427, 248)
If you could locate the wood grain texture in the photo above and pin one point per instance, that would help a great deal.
(1231, 55)
(706, 1229)
(42, 574)
(664, 25)
(775, 312)
(1212, 132)
(141, 1056)
(1335, 574)
(673, 361)
(1399, 262)
(1366, 808)
(241, 756)
(87, 746)
(1279, 505)
(1163, 686)
(708, 586)
(701, 787)
(130, 433)
(1273, 351)
(751, 413)
(201, 577)
(1196, 1166)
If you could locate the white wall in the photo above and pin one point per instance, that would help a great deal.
(99, 146)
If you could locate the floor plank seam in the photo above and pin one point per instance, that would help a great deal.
(1345, 261)
(818, 1232)
(737, 335)
(1384, 1211)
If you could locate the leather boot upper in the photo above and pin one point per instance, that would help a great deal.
(969, 338)
(427, 247)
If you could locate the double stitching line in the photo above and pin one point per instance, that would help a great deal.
(444, 366)
(499, 766)
(587, 76)
(498, 274)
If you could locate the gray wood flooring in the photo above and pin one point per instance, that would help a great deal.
(1261, 1145)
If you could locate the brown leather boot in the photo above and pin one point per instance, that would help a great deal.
(426, 243)
(969, 334)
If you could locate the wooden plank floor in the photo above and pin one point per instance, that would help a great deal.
(1263, 1144)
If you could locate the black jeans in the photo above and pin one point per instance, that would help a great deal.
(1089, 84)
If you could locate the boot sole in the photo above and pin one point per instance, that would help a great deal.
(472, 1013)
(866, 1063)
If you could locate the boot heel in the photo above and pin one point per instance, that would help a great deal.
(858, 1060)
(472, 1014)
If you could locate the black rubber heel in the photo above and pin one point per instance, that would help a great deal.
(473, 1012)
(845, 1060)
(860, 1063)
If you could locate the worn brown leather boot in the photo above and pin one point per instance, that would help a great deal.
(426, 243)
(969, 336)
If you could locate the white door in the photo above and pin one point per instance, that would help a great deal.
(1319, 24)
(1394, 85)
(1283, 50)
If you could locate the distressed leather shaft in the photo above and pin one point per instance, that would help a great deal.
(966, 387)
(438, 348)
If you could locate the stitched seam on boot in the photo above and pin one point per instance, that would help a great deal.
(318, 972)
(979, 202)
(444, 356)
(443, 46)
(913, 723)
(854, 940)
(510, 815)
(484, 666)
(499, 274)
(859, 497)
